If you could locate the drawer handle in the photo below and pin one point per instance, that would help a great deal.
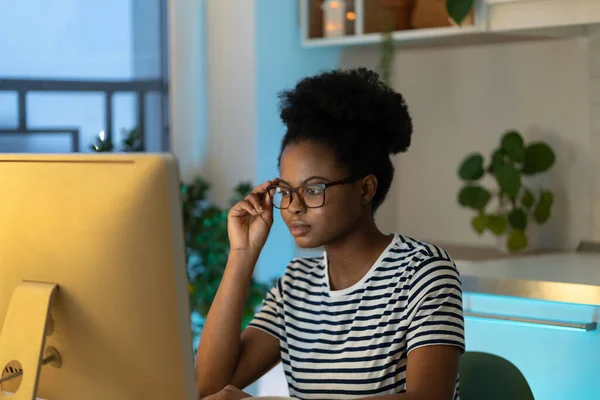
(586, 327)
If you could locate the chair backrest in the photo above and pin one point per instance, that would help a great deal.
(490, 377)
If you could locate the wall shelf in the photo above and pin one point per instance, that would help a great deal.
(493, 21)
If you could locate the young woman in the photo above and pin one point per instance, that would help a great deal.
(378, 315)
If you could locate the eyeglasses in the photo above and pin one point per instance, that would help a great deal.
(311, 195)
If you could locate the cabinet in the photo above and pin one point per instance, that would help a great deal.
(559, 358)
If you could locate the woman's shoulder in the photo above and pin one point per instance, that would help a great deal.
(306, 272)
(419, 248)
(421, 254)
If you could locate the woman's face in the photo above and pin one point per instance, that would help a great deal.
(308, 163)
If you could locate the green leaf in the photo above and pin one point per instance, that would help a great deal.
(517, 240)
(474, 196)
(471, 168)
(497, 224)
(512, 143)
(527, 199)
(458, 9)
(541, 212)
(479, 223)
(509, 179)
(546, 198)
(517, 219)
(539, 157)
(498, 158)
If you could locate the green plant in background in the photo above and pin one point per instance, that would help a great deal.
(132, 140)
(102, 144)
(459, 9)
(517, 204)
(207, 249)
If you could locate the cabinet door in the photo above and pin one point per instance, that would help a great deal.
(560, 361)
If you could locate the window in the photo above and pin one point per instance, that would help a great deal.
(73, 69)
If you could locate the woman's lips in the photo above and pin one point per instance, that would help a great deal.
(299, 228)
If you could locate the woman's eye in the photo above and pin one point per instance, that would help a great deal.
(314, 191)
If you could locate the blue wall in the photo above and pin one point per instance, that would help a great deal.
(280, 62)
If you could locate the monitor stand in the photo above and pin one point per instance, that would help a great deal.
(24, 333)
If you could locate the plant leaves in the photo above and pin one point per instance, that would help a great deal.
(527, 199)
(517, 240)
(497, 224)
(458, 9)
(517, 219)
(509, 179)
(474, 196)
(498, 158)
(471, 168)
(512, 143)
(546, 198)
(541, 212)
(479, 223)
(539, 157)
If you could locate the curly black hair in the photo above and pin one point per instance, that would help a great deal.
(355, 114)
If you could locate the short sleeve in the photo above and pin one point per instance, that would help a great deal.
(269, 318)
(435, 310)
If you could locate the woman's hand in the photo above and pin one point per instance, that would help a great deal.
(249, 221)
(229, 393)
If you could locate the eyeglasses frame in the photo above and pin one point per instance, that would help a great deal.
(324, 186)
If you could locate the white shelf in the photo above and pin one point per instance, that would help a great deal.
(414, 35)
(494, 21)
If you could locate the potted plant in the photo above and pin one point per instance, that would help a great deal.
(207, 250)
(518, 207)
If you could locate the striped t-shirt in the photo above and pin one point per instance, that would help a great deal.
(354, 342)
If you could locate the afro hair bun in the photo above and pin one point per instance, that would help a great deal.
(352, 104)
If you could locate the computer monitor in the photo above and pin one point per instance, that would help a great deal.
(93, 282)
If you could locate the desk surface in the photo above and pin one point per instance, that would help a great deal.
(566, 277)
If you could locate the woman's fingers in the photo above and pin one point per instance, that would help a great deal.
(242, 208)
(255, 201)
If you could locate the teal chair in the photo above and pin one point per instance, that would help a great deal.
(485, 376)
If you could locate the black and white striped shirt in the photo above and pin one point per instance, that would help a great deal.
(354, 342)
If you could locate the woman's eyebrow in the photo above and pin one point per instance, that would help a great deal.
(322, 178)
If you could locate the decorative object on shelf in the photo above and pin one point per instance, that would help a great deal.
(334, 18)
(519, 209)
(436, 13)
(102, 144)
(385, 15)
(207, 250)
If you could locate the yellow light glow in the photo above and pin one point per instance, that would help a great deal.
(330, 27)
(351, 16)
(334, 4)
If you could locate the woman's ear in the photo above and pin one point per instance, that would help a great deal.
(369, 188)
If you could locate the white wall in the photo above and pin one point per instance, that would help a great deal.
(187, 84)
(231, 156)
(462, 100)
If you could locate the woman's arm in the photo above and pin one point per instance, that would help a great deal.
(225, 355)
